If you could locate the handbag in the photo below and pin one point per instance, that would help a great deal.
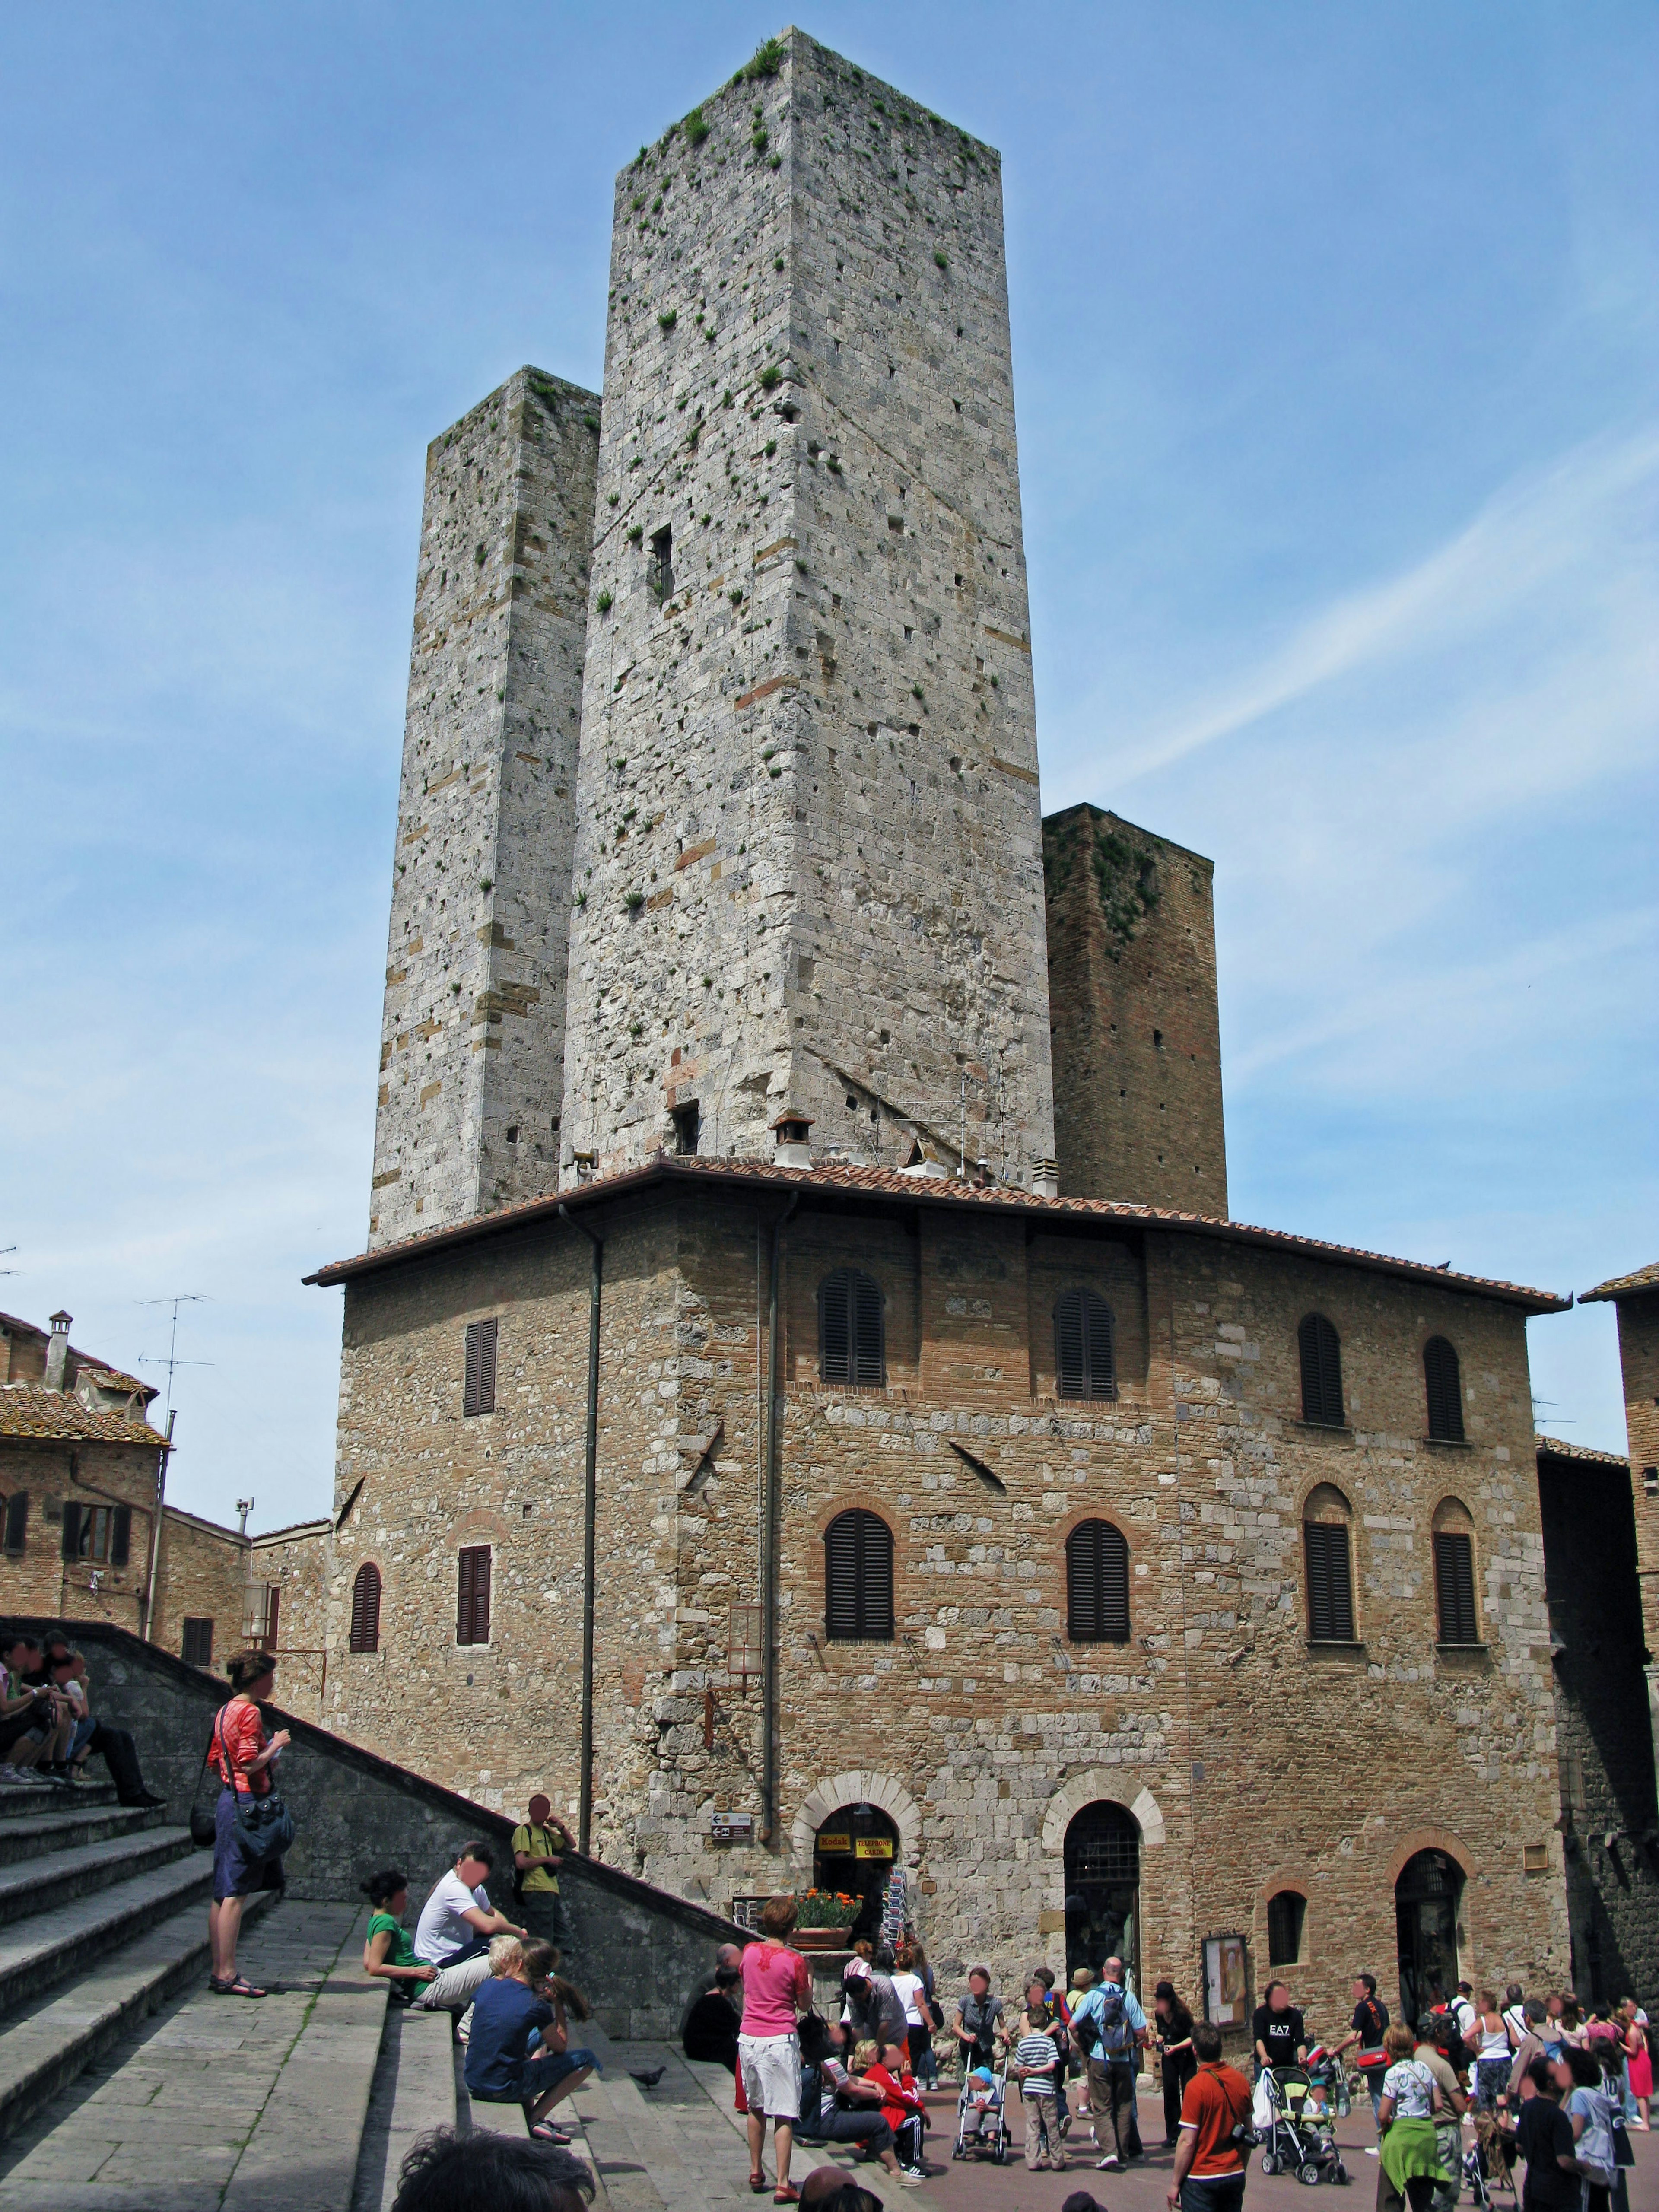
(264, 1827)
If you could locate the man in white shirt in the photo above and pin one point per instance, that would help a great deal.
(454, 1928)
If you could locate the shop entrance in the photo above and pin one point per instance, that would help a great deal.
(1428, 1898)
(853, 1851)
(1103, 1889)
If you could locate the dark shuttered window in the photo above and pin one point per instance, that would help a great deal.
(102, 1533)
(366, 1608)
(1084, 1365)
(1321, 1371)
(1444, 1389)
(480, 1391)
(850, 1348)
(1097, 1584)
(1330, 1583)
(858, 1578)
(17, 1520)
(1454, 1587)
(196, 1648)
(472, 1595)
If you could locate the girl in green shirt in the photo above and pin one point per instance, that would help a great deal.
(388, 1953)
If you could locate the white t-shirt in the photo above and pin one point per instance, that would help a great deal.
(910, 1987)
(1411, 2085)
(1464, 2013)
(440, 1931)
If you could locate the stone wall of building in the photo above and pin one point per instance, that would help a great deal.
(36, 1578)
(1251, 1762)
(1610, 1817)
(808, 856)
(471, 1053)
(1132, 999)
(203, 1575)
(1635, 1298)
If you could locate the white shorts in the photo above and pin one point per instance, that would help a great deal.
(770, 2065)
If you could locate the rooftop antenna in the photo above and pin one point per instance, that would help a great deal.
(5, 1253)
(244, 1507)
(172, 1360)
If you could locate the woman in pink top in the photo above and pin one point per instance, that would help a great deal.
(776, 1986)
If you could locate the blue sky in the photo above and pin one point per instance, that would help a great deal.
(1335, 333)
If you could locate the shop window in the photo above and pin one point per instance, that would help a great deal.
(1097, 1584)
(196, 1640)
(478, 1395)
(850, 1333)
(472, 1595)
(366, 1608)
(101, 1534)
(858, 1578)
(1286, 1912)
(1443, 1387)
(1084, 1363)
(1320, 1351)
(1325, 1543)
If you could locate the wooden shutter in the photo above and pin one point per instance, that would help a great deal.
(1084, 1364)
(17, 1520)
(120, 1541)
(478, 1396)
(1443, 1386)
(72, 1525)
(1068, 1346)
(472, 1595)
(366, 1608)
(1321, 1371)
(1454, 1583)
(196, 1647)
(858, 1578)
(1330, 1584)
(1097, 1583)
(835, 1329)
(869, 1366)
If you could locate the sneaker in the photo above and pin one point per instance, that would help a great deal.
(1109, 2164)
(907, 2180)
(10, 1773)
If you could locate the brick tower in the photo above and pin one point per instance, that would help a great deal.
(472, 1045)
(808, 864)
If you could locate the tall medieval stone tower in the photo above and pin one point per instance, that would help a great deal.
(472, 1043)
(808, 860)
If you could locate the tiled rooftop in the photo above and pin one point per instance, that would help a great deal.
(1559, 1448)
(1644, 1279)
(29, 1409)
(824, 1181)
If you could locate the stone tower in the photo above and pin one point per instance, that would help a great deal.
(1136, 1030)
(472, 1044)
(808, 867)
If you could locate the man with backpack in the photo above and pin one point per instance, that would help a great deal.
(1109, 2027)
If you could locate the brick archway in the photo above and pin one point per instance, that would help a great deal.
(855, 1787)
(1100, 1782)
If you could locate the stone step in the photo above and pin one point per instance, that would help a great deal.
(45, 1949)
(54, 1880)
(18, 1800)
(413, 2093)
(31, 1836)
(51, 2041)
(302, 2154)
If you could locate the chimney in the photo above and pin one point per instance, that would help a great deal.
(1045, 1179)
(790, 1130)
(57, 1352)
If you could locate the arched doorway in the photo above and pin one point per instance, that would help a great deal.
(853, 1851)
(1102, 1887)
(1427, 1899)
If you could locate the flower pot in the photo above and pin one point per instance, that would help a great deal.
(820, 1939)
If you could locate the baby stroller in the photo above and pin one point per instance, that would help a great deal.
(1490, 2163)
(1328, 2074)
(1296, 2139)
(991, 2139)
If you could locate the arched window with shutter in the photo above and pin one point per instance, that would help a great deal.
(1321, 1371)
(366, 1608)
(1097, 1583)
(1083, 1363)
(1325, 1544)
(858, 1578)
(1443, 1386)
(850, 1335)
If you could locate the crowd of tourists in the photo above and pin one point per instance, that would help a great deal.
(48, 1730)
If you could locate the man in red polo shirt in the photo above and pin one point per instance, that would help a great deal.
(1209, 2167)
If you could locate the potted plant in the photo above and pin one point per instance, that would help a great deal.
(823, 1918)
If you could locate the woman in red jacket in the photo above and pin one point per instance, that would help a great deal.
(901, 2106)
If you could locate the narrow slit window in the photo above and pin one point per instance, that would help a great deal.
(1321, 1353)
(17, 1520)
(1330, 1583)
(1454, 1587)
(366, 1608)
(1097, 1583)
(662, 563)
(851, 1348)
(478, 1395)
(858, 1578)
(1443, 1387)
(1085, 1363)
(688, 1128)
(472, 1595)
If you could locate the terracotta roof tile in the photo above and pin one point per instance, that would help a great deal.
(1644, 1279)
(28, 1409)
(927, 1190)
(1559, 1448)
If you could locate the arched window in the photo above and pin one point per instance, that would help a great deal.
(858, 1578)
(1084, 1366)
(1097, 1584)
(1325, 1523)
(850, 1348)
(1454, 1573)
(1444, 1390)
(1321, 1371)
(366, 1608)
(1287, 1913)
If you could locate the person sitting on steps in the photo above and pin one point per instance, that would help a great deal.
(517, 2054)
(388, 1953)
(453, 1931)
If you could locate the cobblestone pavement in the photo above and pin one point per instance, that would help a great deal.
(160, 2125)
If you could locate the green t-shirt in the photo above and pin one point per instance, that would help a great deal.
(401, 1951)
(538, 1843)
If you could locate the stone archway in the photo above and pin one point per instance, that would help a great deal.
(854, 1787)
(1100, 1784)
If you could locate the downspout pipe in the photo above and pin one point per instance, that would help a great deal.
(590, 1513)
(155, 1530)
(768, 1548)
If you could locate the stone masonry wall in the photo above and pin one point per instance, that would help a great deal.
(472, 1054)
(38, 1579)
(807, 866)
(1137, 1036)
(1250, 1760)
(203, 1575)
(1611, 1821)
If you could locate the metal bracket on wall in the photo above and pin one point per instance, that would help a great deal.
(979, 1467)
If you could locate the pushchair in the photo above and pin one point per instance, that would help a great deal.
(1295, 2140)
(991, 2139)
(1490, 2164)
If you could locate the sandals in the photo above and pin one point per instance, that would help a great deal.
(544, 2131)
(758, 2182)
(788, 2195)
(241, 1987)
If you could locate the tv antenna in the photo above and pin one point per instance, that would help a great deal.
(172, 1360)
(6, 1252)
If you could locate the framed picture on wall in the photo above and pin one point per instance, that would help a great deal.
(1226, 1981)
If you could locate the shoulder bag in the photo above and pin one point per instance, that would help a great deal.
(265, 1825)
